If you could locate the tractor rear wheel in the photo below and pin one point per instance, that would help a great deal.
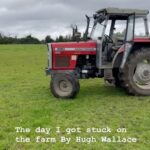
(117, 81)
(136, 73)
(64, 85)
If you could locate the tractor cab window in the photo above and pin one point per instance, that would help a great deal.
(136, 28)
(120, 27)
(119, 30)
(140, 30)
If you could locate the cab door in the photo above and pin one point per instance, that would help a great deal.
(128, 38)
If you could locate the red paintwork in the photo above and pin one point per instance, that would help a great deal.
(142, 40)
(89, 44)
(121, 49)
(81, 51)
(78, 45)
(136, 40)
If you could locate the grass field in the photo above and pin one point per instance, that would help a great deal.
(25, 101)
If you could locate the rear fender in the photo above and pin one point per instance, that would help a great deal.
(130, 48)
(127, 50)
(122, 56)
(117, 60)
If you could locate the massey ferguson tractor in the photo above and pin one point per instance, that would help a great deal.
(115, 46)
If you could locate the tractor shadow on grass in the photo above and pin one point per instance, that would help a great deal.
(102, 91)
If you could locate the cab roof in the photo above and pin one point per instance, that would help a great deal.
(123, 12)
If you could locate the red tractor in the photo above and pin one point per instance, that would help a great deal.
(117, 49)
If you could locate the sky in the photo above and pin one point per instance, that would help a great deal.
(53, 17)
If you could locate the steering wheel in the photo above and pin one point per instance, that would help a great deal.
(108, 39)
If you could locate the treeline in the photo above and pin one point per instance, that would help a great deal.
(29, 39)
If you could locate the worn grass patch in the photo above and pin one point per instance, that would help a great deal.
(25, 100)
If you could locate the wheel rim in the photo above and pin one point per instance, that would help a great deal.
(142, 74)
(64, 87)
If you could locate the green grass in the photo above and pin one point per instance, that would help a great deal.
(25, 100)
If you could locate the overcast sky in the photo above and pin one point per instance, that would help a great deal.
(53, 17)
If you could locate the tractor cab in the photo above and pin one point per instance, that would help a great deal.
(114, 27)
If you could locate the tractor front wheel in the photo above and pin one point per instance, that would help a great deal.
(64, 85)
(136, 74)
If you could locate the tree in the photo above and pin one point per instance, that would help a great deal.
(14, 40)
(48, 39)
(29, 40)
(60, 39)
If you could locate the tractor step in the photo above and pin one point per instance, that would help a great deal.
(108, 75)
(107, 66)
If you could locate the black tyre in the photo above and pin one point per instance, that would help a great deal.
(64, 85)
(77, 85)
(136, 73)
(117, 81)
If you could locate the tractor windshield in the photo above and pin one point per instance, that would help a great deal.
(97, 32)
(114, 29)
(98, 25)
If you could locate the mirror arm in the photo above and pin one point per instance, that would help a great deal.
(85, 36)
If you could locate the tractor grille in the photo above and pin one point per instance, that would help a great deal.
(62, 61)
